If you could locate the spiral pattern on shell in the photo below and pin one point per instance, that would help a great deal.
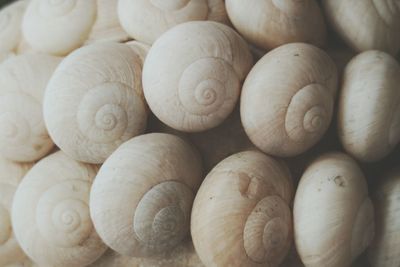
(156, 176)
(10, 26)
(241, 214)
(95, 103)
(51, 217)
(203, 86)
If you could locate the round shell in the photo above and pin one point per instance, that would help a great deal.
(11, 175)
(193, 73)
(241, 215)
(271, 23)
(333, 215)
(287, 99)
(146, 20)
(50, 213)
(369, 106)
(366, 25)
(94, 101)
(142, 197)
(23, 135)
(10, 26)
(384, 250)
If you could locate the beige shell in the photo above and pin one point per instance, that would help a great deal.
(141, 199)
(271, 23)
(50, 213)
(10, 26)
(241, 215)
(369, 106)
(384, 250)
(366, 24)
(23, 135)
(11, 175)
(287, 99)
(146, 20)
(333, 214)
(94, 101)
(193, 73)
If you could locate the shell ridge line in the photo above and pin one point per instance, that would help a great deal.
(379, 14)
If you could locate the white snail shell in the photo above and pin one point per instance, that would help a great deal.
(366, 25)
(94, 101)
(241, 215)
(384, 249)
(287, 99)
(193, 73)
(11, 175)
(271, 23)
(10, 26)
(142, 197)
(50, 213)
(23, 135)
(146, 20)
(369, 106)
(333, 215)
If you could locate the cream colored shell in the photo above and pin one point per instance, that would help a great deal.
(94, 101)
(333, 214)
(23, 135)
(241, 215)
(271, 23)
(10, 26)
(369, 106)
(193, 73)
(146, 20)
(366, 24)
(384, 250)
(50, 213)
(141, 199)
(287, 99)
(11, 175)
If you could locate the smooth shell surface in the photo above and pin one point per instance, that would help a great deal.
(369, 106)
(141, 199)
(58, 26)
(11, 175)
(366, 24)
(10, 26)
(241, 215)
(384, 250)
(146, 20)
(193, 73)
(271, 23)
(287, 99)
(333, 214)
(50, 213)
(23, 135)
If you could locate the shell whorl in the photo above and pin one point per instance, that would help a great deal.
(170, 5)
(363, 229)
(10, 26)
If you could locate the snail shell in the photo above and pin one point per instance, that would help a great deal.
(146, 20)
(11, 175)
(141, 199)
(384, 250)
(241, 215)
(23, 135)
(201, 88)
(369, 106)
(333, 215)
(50, 213)
(366, 25)
(94, 101)
(271, 23)
(10, 26)
(287, 99)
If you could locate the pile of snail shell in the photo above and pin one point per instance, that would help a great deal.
(200, 133)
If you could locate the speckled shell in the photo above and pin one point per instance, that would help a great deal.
(94, 101)
(50, 213)
(287, 99)
(369, 106)
(193, 73)
(142, 197)
(366, 24)
(10, 26)
(271, 23)
(333, 214)
(241, 215)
